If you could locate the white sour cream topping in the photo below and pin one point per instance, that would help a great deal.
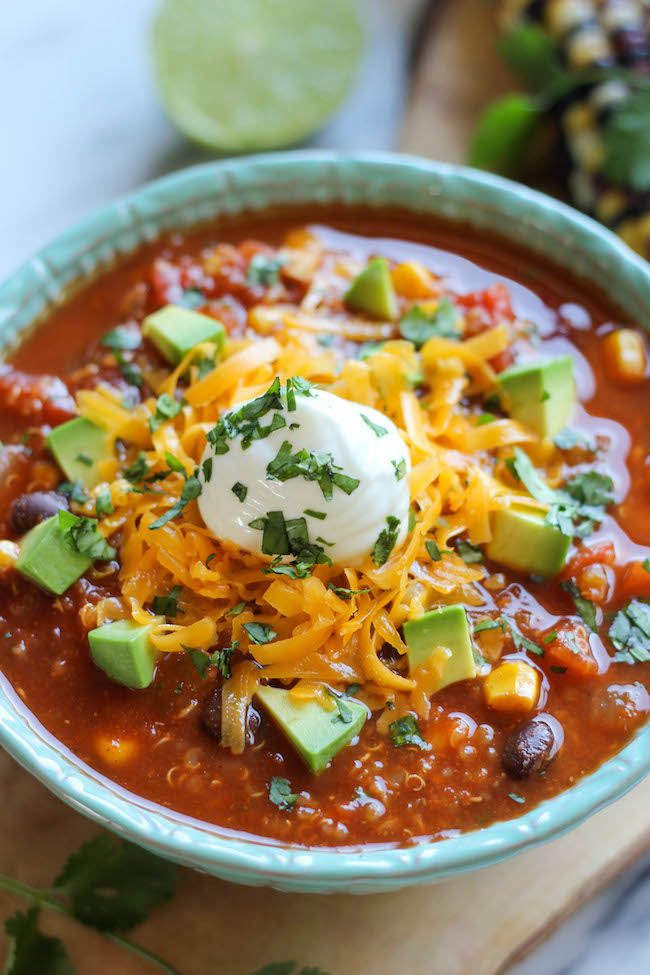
(327, 424)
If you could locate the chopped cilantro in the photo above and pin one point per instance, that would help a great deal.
(315, 514)
(104, 502)
(264, 270)
(558, 670)
(376, 429)
(522, 642)
(211, 556)
(469, 553)
(485, 418)
(343, 593)
(418, 326)
(129, 369)
(73, 490)
(585, 607)
(550, 637)
(400, 468)
(205, 366)
(487, 625)
(412, 519)
(573, 646)
(236, 610)
(366, 349)
(238, 489)
(174, 463)
(166, 409)
(244, 422)
(433, 550)
(167, 605)
(345, 713)
(191, 298)
(221, 659)
(515, 797)
(84, 459)
(280, 793)
(405, 731)
(386, 541)
(646, 565)
(260, 632)
(191, 491)
(630, 632)
(121, 338)
(138, 470)
(313, 466)
(82, 535)
(199, 658)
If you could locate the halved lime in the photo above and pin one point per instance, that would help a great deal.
(240, 75)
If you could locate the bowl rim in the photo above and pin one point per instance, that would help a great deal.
(240, 857)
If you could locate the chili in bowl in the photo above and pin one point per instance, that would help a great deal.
(323, 526)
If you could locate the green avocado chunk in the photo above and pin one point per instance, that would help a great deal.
(522, 540)
(175, 331)
(372, 291)
(79, 445)
(124, 652)
(445, 627)
(47, 560)
(316, 733)
(540, 394)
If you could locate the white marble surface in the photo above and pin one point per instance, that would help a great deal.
(81, 124)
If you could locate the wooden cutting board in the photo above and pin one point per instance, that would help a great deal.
(479, 923)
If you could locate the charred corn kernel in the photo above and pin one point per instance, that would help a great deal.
(115, 751)
(624, 355)
(8, 554)
(412, 280)
(512, 686)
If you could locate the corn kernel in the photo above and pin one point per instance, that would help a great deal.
(512, 686)
(412, 280)
(8, 554)
(625, 359)
(115, 751)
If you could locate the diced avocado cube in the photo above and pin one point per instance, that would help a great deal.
(47, 560)
(540, 394)
(444, 627)
(522, 540)
(316, 733)
(79, 445)
(124, 652)
(175, 331)
(372, 291)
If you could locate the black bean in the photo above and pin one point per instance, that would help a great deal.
(527, 749)
(30, 509)
(211, 717)
(211, 713)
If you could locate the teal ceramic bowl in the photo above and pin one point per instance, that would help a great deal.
(195, 195)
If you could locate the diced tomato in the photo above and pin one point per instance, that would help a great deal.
(603, 554)
(38, 399)
(571, 649)
(495, 300)
(635, 582)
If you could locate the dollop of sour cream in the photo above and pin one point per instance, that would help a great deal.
(338, 437)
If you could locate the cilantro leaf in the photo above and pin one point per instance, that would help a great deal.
(244, 422)
(433, 550)
(236, 610)
(376, 429)
(316, 465)
(166, 409)
(585, 607)
(104, 502)
(239, 490)
(167, 605)
(222, 658)
(344, 593)
(199, 658)
(121, 338)
(191, 491)
(568, 438)
(82, 535)
(522, 642)
(260, 632)
(264, 270)
(469, 553)
(30, 951)
(405, 731)
(400, 469)
(345, 712)
(418, 326)
(386, 541)
(113, 886)
(626, 138)
(280, 793)
(73, 490)
(630, 632)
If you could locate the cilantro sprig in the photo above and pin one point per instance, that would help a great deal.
(418, 326)
(630, 632)
(386, 541)
(406, 731)
(315, 465)
(83, 536)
